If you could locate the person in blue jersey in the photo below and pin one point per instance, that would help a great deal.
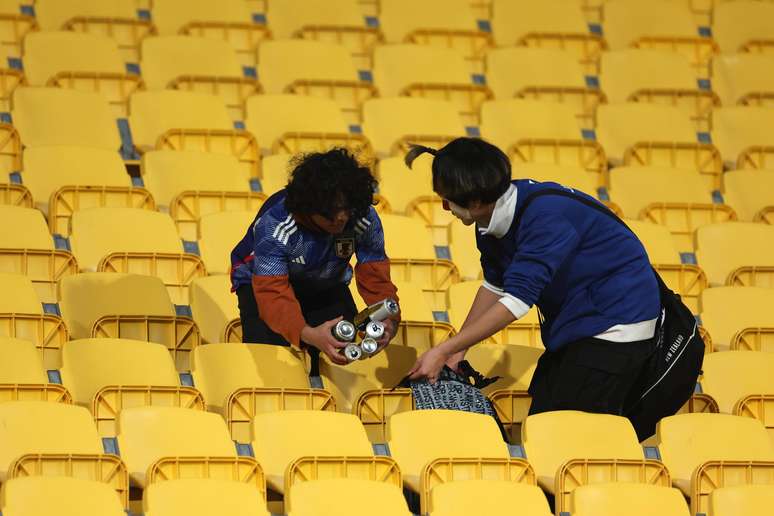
(588, 275)
(291, 270)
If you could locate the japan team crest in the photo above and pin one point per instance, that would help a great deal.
(344, 247)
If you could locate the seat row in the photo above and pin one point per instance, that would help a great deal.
(561, 452)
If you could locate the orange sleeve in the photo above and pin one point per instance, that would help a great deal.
(374, 283)
(278, 307)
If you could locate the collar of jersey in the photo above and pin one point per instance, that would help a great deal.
(503, 213)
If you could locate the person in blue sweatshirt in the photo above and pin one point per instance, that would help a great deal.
(588, 275)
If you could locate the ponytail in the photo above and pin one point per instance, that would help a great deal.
(416, 151)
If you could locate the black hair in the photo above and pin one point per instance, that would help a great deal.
(467, 169)
(325, 182)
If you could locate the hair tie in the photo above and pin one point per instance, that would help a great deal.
(415, 151)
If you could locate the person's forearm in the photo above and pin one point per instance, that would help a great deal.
(490, 322)
(483, 301)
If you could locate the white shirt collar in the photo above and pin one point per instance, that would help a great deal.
(503, 214)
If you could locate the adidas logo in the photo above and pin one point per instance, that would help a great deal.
(300, 260)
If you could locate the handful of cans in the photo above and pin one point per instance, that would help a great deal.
(369, 322)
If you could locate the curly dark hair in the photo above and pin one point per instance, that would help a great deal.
(325, 182)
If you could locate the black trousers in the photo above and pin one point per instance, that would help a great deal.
(317, 307)
(591, 375)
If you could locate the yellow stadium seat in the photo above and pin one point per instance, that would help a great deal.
(229, 20)
(657, 240)
(450, 24)
(656, 76)
(63, 495)
(63, 178)
(56, 116)
(429, 72)
(549, 24)
(203, 65)
(148, 243)
(644, 134)
(28, 248)
(314, 68)
(677, 199)
(117, 19)
(80, 61)
(218, 233)
(411, 261)
(660, 25)
(419, 437)
(391, 124)
(20, 362)
(542, 74)
(23, 318)
(739, 500)
(744, 26)
(731, 376)
(107, 375)
(628, 498)
(686, 441)
(295, 123)
(200, 497)
(464, 253)
(192, 184)
(744, 78)
(541, 132)
(335, 21)
(728, 311)
(737, 254)
(325, 498)
(276, 172)
(573, 177)
(410, 192)
(277, 442)
(214, 307)
(42, 427)
(743, 134)
(147, 434)
(487, 497)
(524, 332)
(10, 77)
(186, 120)
(553, 438)
(748, 192)
(14, 25)
(127, 306)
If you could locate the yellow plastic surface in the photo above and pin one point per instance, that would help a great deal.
(633, 188)
(737, 128)
(347, 497)
(171, 15)
(44, 427)
(737, 23)
(741, 500)
(386, 121)
(20, 362)
(48, 168)
(626, 22)
(63, 495)
(623, 72)
(748, 192)
(94, 234)
(28, 230)
(686, 441)
(628, 498)
(146, 434)
(289, 17)
(511, 69)
(152, 113)
(271, 116)
(464, 254)
(406, 238)
(728, 310)
(465, 497)
(214, 306)
(552, 438)
(18, 295)
(513, 363)
(52, 14)
(48, 53)
(722, 248)
(456, 15)
(276, 172)
(418, 437)
(91, 364)
(203, 496)
(742, 75)
(729, 376)
(504, 122)
(513, 20)
(277, 440)
(219, 233)
(46, 116)
(401, 185)
(718, 474)
(87, 297)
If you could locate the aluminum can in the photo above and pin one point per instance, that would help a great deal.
(353, 352)
(344, 331)
(369, 346)
(374, 330)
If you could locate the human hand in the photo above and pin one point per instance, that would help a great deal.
(390, 328)
(322, 338)
(454, 360)
(429, 365)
